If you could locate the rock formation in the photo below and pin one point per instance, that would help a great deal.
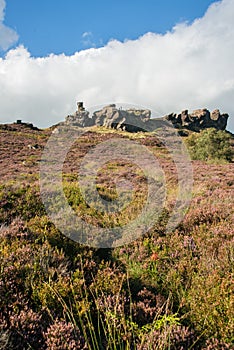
(199, 119)
(134, 120)
(80, 117)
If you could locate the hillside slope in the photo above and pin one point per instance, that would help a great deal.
(163, 290)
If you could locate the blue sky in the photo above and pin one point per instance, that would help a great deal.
(164, 55)
(67, 26)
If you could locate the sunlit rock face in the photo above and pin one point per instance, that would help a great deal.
(134, 120)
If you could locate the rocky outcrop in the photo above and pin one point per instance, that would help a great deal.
(110, 116)
(80, 117)
(198, 119)
(134, 120)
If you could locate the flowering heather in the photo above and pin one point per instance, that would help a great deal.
(62, 335)
(162, 291)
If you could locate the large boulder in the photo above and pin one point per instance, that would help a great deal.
(219, 120)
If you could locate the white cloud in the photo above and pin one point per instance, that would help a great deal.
(87, 39)
(190, 67)
(7, 35)
(2, 9)
(87, 34)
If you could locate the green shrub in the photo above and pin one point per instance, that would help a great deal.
(20, 200)
(211, 303)
(210, 144)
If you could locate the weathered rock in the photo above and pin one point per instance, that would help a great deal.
(198, 120)
(219, 120)
(80, 106)
(20, 123)
(36, 146)
(134, 120)
(80, 117)
(105, 116)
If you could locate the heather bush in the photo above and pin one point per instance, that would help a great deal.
(26, 329)
(19, 200)
(215, 344)
(147, 307)
(46, 230)
(172, 337)
(211, 300)
(62, 335)
(169, 290)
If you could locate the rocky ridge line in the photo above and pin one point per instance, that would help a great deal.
(134, 120)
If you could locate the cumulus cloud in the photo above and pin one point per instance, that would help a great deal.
(7, 35)
(191, 66)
